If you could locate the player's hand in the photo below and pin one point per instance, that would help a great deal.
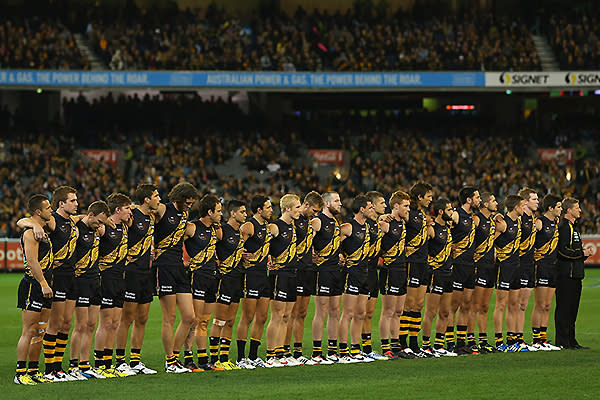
(587, 251)
(47, 291)
(386, 218)
(430, 220)
(498, 217)
(38, 232)
(342, 260)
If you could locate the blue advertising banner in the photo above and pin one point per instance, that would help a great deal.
(248, 80)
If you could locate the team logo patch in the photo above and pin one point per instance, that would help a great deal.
(172, 220)
(466, 222)
(112, 234)
(285, 234)
(416, 218)
(301, 225)
(261, 234)
(395, 231)
(231, 240)
(327, 228)
(87, 238)
(360, 235)
(65, 228)
(141, 226)
(202, 236)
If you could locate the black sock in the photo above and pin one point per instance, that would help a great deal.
(499, 339)
(471, 339)
(287, 350)
(426, 342)
(317, 349)
(366, 343)
(202, 357)
(385, 346)
(224, 350)
(134, 357)
(344, 351)
(213, 342)
(332, 347)
(120, 357)
(49, 344)
(395, 345)
(108, 356)
(73, 363)
(33, 367)
(98, 358)
(241, 349)
(297, 349)
(450, 335)
(254, 345)
(188, 357)
(439, 341)
(461, 335)
(21, 368)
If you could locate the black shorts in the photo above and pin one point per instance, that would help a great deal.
(373, 282)
(486, 275)
(527, 276)
(256, 284)
(508, 277)
(356, 281)
(229, 287)
(330, 283)
(204, 285)
(442, 281)
(306, 282)
(419, 274)
(393, 281)
(545, 275)
(140, 286)
(113, 290)
(173, 279)
(30, 296)
(463, 277)
(89, 292)
(283, 286)
(63, 285)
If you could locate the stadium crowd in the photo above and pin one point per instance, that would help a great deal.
(38, 43)
(198, 136)
(575, 41)
(314, 42)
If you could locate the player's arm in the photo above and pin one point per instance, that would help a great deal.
(274, 229)
(538, 224)
(160, 211)
(247, 230)
(384, 226)
(455, 217)
(476, 220)
(31, 249)
(218, 230)
(346, 230)
(316, 224)
(500, 225)
(38, 230)
(190, 230)
(430, 232)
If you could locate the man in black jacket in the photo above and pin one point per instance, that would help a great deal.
(571, 256)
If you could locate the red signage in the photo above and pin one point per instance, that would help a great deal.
(592, 242)
(107, 156)
(328, 156)
(11, 255)
(556, 155)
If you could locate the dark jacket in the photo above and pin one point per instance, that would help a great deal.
(570, 251)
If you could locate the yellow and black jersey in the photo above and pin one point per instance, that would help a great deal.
(63, 238)
(45, 256)
(140, 235)
(509, 241)
(304, 239)
(230, 250)
(168, 237)
(113, 249)
(528, 234)
(463, 235)
(258, 246)
(375, 236)
(283, 247)
(355, 247)
(392, 245)
(484, 240)
(416, 236)
(546, 242)
(87, 251)
(202, 248)
(327, 244)
(439, 247)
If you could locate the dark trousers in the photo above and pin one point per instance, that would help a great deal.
(568, 293)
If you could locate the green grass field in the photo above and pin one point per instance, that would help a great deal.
(520, 375)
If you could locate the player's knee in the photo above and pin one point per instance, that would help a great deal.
(141, 319)
(90, 326)
(483, 308)
(360, 315)
(444, 314)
